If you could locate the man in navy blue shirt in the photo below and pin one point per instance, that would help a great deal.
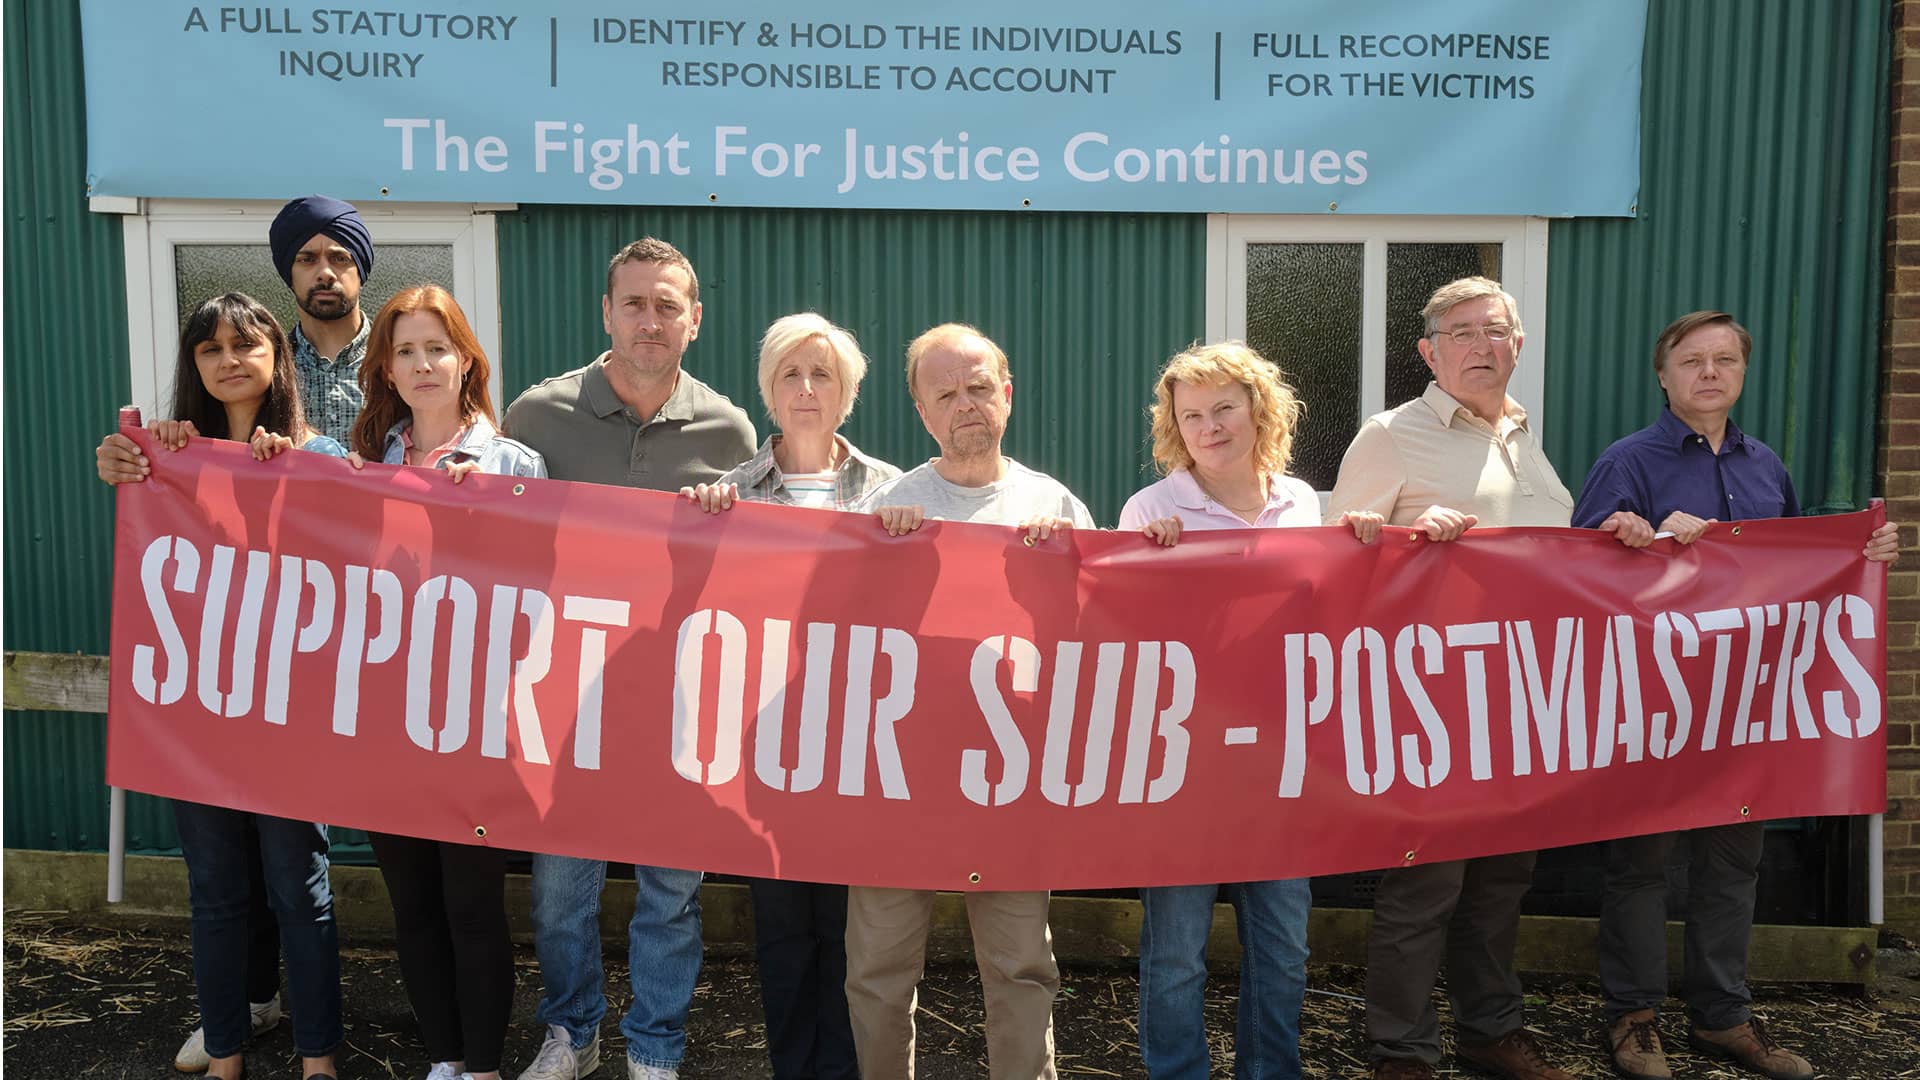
(1689, 471)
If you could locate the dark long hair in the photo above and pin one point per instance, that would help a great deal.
(280, 413)
(385, 407)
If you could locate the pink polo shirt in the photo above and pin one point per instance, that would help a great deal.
(1290, 503)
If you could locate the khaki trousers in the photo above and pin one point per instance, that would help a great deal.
(887, 952)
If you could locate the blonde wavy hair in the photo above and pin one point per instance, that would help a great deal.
(1276, 408)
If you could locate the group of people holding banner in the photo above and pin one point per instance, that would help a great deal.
(840, 966)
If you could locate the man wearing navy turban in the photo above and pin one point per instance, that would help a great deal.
(324, 253)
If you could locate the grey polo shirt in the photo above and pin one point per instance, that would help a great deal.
(587, 433)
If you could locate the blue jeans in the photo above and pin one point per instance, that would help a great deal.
(293, 855)
(663, 953)
(1273, 978)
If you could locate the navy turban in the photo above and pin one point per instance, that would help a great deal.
(303, 219)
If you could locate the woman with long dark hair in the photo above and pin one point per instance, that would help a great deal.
(234, 379)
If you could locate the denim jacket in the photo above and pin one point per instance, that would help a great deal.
(482, 443)
(760, 480)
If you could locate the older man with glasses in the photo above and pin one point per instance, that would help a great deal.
(1461, 454)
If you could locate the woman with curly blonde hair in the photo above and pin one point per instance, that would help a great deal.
(1223, 424)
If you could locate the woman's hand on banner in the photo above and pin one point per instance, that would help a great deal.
(267, 445)
(712, 498)
(119, 461)
(1163, 531)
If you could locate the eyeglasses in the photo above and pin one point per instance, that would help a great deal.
(1465, 335)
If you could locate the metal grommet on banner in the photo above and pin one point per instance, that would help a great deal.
(519, 489)
(480, 832)
(1409, 856)
(1736, 530)
(973, 878)
(713, 197)
(1746, 811)
(1027, 540)
(1333, 206)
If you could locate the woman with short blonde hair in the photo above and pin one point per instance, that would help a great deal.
(810, 372)
(1223, 424)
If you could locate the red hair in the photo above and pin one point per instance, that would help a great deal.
(385, 407)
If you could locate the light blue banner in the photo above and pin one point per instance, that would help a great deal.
(1349, 106)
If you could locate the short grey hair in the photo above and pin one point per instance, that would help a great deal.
(792, 331)
(1461, 290)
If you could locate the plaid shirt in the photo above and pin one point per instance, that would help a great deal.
(330, 389)
(760, 479)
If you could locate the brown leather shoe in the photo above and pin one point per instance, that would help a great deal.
(1514, 1056)
(1751, 1046)
(1402, 1069)
(1634, 1042)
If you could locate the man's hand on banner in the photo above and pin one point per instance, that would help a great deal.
(1629, 528)
(1043, 527)
(900, 520)
(1884, 544)
(1443, 523)
(1364, 523)
(1685, 527)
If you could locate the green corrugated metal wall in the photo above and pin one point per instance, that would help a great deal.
(1763, 168)
(1086, 306)
(65, 343)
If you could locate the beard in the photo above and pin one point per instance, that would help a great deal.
(972, 443)
(327, 309)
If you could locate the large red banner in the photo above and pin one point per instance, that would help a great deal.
(603, 672)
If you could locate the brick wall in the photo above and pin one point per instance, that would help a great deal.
(1899, 473)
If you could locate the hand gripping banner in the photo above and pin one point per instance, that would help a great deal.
(603, 672)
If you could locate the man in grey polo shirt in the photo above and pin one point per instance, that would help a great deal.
(964, 393)
(633, 417)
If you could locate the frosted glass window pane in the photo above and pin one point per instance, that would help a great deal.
(1303, 313)
(1414, 271)
(204, 270)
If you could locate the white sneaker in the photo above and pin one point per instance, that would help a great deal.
(444, 1070)
(558, 1060)
(192, 1057)
(637, 1071)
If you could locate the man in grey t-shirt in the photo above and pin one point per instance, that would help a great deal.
(632, 418)
(964, 393)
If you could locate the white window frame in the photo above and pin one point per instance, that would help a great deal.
(1523, 261)
(153, 228)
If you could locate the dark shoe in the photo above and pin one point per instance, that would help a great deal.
(1751, 1046)
(1402, 1069)
(1514, 1056)
(1634, 1042)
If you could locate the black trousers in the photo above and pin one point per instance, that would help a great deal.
(800, 932)
(450, 922)
(1723, 869)
(263, 930)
